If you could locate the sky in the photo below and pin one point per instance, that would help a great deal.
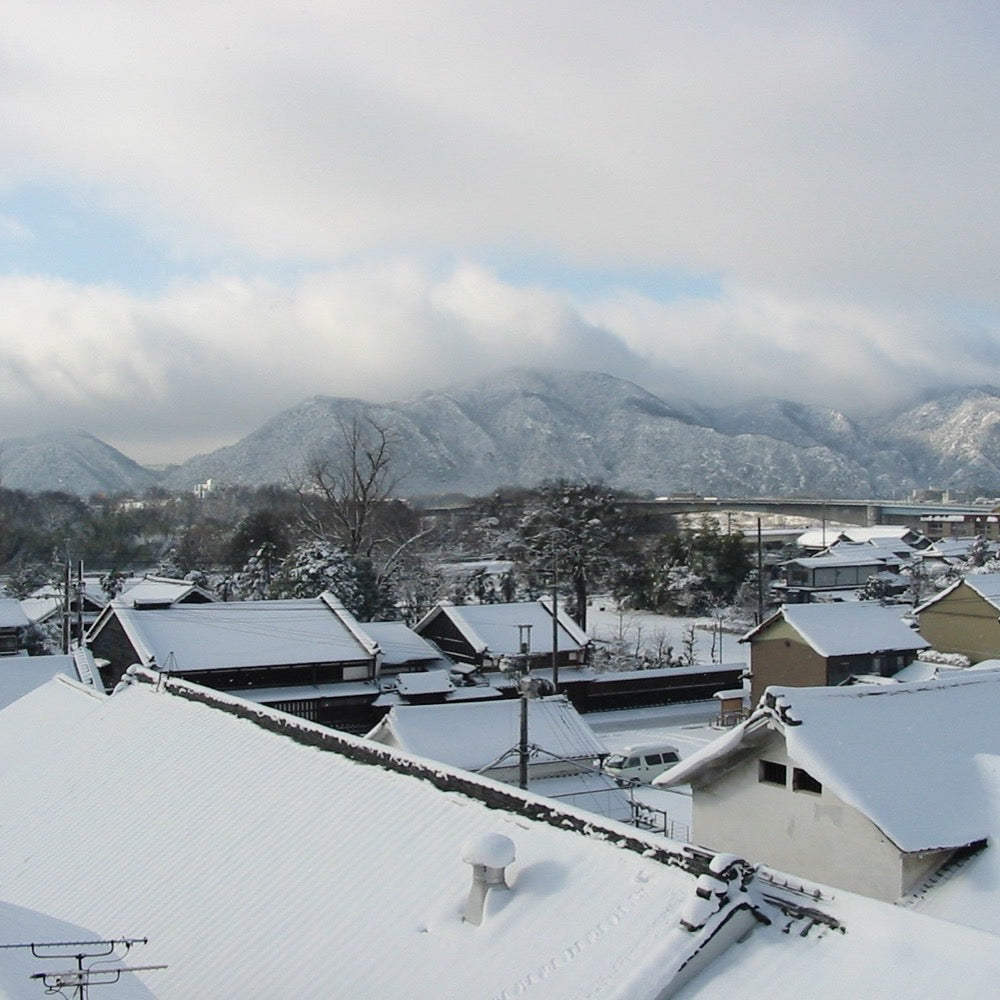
(212, 211)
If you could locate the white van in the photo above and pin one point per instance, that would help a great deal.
(641, 761)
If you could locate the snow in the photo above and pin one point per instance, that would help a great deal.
(646, 629)
(251, 849)
(847, 629)
(11, 614)
(251, 859)
(498, 628)
(902, 754)
(491, 849)
(241, 634)
(475, 734)
(21, 674)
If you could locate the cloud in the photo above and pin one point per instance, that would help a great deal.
(205, 363)
(342, 184)
(813, 147)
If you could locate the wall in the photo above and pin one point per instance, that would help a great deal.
(962, 622)
(783, 658)
(814, 836)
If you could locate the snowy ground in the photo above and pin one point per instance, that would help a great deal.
(687, 726)
(647, 630)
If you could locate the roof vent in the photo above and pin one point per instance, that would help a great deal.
(489, 856)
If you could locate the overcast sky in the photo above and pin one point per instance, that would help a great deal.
(210, 211)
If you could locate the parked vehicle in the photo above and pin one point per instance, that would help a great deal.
(641, 761)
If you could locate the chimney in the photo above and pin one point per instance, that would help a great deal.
(489, 856)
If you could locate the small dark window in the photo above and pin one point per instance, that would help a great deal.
(773, 773)
(654, 758)
(803, 781)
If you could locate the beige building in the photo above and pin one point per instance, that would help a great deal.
(819, 645)
(869, 788)
(965, 618)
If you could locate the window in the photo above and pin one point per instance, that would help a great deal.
(803, 781)
(654, 758)
(772, 773)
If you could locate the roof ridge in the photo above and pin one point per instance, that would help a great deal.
(493, 794)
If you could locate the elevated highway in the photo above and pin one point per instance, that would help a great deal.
(864, 513)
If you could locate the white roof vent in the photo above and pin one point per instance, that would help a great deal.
(489, 856)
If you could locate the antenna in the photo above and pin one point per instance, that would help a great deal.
(96, 973)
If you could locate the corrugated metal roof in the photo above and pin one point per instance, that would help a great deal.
(262, 863)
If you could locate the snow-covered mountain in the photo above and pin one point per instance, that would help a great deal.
(70, 462)
(526, 425)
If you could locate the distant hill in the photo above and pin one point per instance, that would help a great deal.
(526, 425)
(70, 462)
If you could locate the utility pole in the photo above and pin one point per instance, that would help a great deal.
(555, 620)
(79, 603)
(760, 574)
(66, 610)
(524, 682)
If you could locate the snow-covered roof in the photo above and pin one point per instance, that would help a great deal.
(474, 734)
(401, 646)
(816, 538)
(187, 637)
(986, 585)
(12, 614)
(872, 949)
(154, 590)
(846, 629)
(902, 754)
(53, 705)
(497, 627)
(21, 674)
(38, 609)
(424, 682)
(865, 557)
(254, 847)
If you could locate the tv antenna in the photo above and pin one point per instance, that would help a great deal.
(92, 968)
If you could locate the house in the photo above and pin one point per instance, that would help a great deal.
(807, 645)
(961, 525)
(308, 657)
(45, 605)
(403, 651)
(811, 577)
(893, 536)
(251, 852)
(964, 618)
(869, 788)
(162, 592)
(484, 737)
(483, 635)
(14, 626)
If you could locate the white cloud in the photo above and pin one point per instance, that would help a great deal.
(205, 363)
(813, 146)
(830, 166)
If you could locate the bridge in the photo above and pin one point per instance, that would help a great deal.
(864, 513)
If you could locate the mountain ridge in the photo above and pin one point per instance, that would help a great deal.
(525, 425)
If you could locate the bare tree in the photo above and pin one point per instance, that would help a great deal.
(346, 493)
(346, 487)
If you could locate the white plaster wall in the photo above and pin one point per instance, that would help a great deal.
(815, 836)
